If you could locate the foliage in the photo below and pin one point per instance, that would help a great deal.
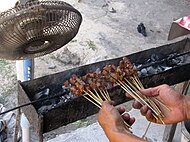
(91, 45)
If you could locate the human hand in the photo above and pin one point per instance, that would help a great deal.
(111, 118)
(170, 98)
(112, 122)
(125, 116)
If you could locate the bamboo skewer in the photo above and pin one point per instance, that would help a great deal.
(123, 87)
(97, 96)
(141, 86)
(92, 101)
(132, 86)
(139, 97)
(92, 98)
(161, 103)
(97, 99)
(151, 104)
(106, 92)
(104, 96)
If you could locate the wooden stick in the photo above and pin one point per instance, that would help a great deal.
(102, 94)
(144, 97)
(138, 80)
(151, 103)
(135, 83)
(156, 117)
(91, 101)
(161, 103)
(141, 99)
(98, 95)
(161, 120)
(130, 93)
(107, 94)
(98, 98)
(93, 98)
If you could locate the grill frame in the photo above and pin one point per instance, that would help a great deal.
(79, 108)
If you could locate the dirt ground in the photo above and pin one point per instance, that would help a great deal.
(108, 30)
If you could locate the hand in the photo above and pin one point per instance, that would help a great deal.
(172, 99)
(112, 122)
(110, 118)
(126, 117)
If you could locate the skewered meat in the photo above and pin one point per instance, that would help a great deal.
(105, 79)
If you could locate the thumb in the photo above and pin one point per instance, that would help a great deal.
(151, 92)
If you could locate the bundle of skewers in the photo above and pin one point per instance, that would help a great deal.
(91, 87)
(125, 75)
(94, 86)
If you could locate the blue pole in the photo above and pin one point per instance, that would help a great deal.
(28, 69)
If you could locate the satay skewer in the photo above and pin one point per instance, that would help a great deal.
(134, 87)
(96, 99)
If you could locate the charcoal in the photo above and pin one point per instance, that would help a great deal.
(68, 96)
(171, 56)
(159, 69)
(165, 68)
(66, 90)
(137, 66)
(151, 70)
(49, 104)
(175, 61)
(154, 57)
(45, 108)
(143, 72)
(42, 94)
(157, 63)
(178, 60)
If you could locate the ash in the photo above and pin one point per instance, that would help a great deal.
(158, 63)
(49, 104)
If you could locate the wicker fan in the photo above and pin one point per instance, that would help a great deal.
(37, 28)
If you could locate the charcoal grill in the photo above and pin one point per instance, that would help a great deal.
(174, 57)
